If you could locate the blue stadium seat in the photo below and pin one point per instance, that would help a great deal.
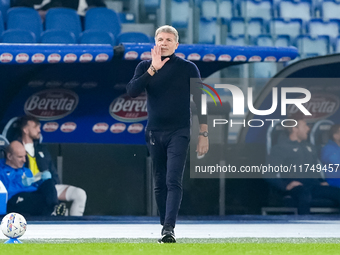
(133, 37)
(180, 12)
(25, 19)
(226, 9)
(151, 5)
(102, 19)
(282, 41)
(312, 46)
(330, 9)
(337, 45)
(255, 26)
(4, 6)
(238, 26)
(208, 9)
(18, 36)
(289, 9)
(292, 27)
(272, 41)
(256, 9)
(265, 40)
(319, 27)
(58, 36)
(63, 19)
(97, 37)
(236, 40)
(126, 17)
(207, 31)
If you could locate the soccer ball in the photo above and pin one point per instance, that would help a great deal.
(13, 225)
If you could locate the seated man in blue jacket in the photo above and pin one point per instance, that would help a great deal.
(27, 195)
(330, 157)
(294, 152)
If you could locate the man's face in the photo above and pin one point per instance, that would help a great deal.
(336, 137)
(168, 43)
(17, 157)
(302, 130)
(33, 130)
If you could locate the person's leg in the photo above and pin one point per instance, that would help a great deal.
(158, 156)
(176, 155)
(327, 192)
(49, 192)
(302, 197)
(27, 203)
(74, 194)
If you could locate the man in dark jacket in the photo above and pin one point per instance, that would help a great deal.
(166, 81)
(303, 182)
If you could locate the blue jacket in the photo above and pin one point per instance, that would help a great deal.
(12, 179)
(330, 154)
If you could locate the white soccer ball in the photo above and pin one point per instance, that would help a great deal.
(13, 225)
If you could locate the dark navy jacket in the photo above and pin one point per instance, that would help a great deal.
(168, 93)
(293, 154)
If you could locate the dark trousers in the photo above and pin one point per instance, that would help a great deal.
(168, 150)
(40, 202)
(303, 196)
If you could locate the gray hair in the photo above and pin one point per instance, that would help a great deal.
(167, 29)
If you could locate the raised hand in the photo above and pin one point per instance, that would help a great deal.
(156, 55)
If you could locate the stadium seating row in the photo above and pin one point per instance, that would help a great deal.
(63, 25)
(276, 32)
(308, 46)
(265, 9)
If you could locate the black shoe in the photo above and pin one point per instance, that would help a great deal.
(59, 210)
(168, 235)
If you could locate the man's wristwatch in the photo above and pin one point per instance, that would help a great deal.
(205, 133)
(153, 69)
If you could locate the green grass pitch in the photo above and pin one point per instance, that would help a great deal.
(186, 246)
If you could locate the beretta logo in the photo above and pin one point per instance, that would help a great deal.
(51, 104)
(131, 55)
(224, 57)
(135, 128)
(102, 57)
(118, 128)
(87, 57)
(54, 58)
(50, 126)
(321, 106)
(68, 127)
(38, 58)
(194, 57)
(180, 55)
(146, 55)
(100, 127)
(6, 57)
(209, 58)
(127, 109)
(22, 58)
(70, 58)
(255, 59)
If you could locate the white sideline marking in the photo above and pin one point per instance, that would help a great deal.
(325, 229)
